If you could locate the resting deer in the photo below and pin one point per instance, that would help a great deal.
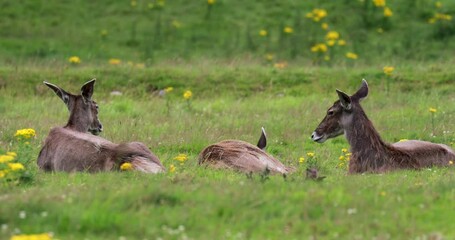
(242, 156)
(369, 152)
(71, 148)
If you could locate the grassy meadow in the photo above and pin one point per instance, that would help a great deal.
(199, 203)
(241, 79)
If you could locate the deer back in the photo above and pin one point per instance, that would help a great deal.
(70, 151)
(240, 156)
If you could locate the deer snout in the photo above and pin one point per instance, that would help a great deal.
(317, 138)
(95, 130)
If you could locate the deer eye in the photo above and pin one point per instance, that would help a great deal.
(330, 113)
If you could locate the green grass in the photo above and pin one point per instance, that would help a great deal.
(217, 53)
(230, 102)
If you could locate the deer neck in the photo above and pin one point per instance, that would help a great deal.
(365, 141)
(75, 124)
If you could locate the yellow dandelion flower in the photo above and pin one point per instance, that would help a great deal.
(325, 26)
(187, 95)
(210, 2)
(6, 158)
(310, 154)
(320, 47)
(388, 12)
(280, 65)
(301, 160)
(331, 43)
(171, 168)
(388, 70)
(288, 30)
(348, 154)
(114, 61)
(181, 158)
(26, 133)
(345, 150)
(2, 174)
(341, 42)
(104, 33)
(432, 110)
(269, 57)
(176, 24)
(351, 55)
(43, 236)
(13, 154)
(16, 166)
(379, 3)
(168, 89)
(317, 14)
(403, 140)
(340, 164)
(332, 35)
(74, 60)
(383, 194)
(341, 158)
(263, 33)
(442, 16)
(126, 166)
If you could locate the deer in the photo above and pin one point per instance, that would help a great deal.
(242, 156)
(76, 146)
(369, 152)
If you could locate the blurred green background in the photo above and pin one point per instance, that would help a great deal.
(149, 31)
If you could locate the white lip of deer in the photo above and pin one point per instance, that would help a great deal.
(319, 139)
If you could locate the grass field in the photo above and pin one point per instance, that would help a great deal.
(248, 64)
(199, 203)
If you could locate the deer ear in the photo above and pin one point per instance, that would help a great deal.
(262, 143)
(62, 94)
(87, 89)
(362, 92)
(345, 100)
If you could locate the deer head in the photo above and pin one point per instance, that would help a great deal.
(83, 110)
(339, 115)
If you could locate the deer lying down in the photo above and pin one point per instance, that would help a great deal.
(369, 152)
(71, 148)
(242, 156)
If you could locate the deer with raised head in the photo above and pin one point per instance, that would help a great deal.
(369, 152)
(71, 148)
(242, 156)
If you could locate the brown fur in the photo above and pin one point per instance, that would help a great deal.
(71, 148)
(369, 152)
(240, 156)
